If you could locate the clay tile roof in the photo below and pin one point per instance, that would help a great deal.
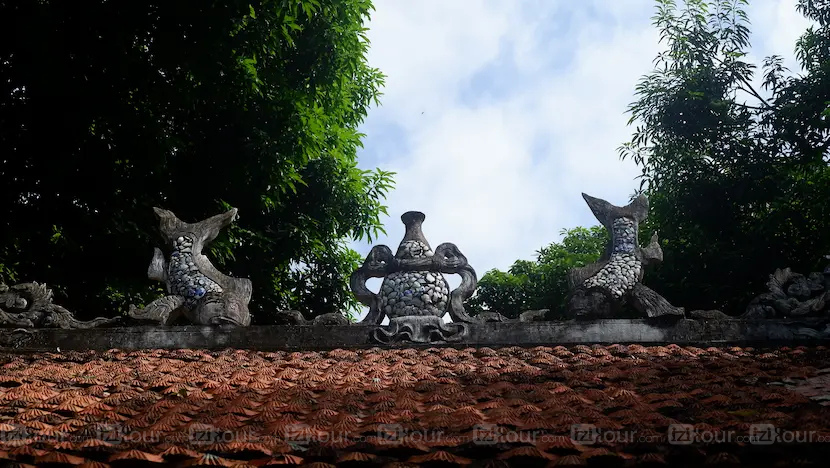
(568, 460)
(136, 455)
(92, 464)
(526, 452)
(58, 457)
(440, 456)
(555, 406)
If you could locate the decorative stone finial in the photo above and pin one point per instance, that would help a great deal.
(29, 305)
(195, 287)
(600, 289)
(414, 293)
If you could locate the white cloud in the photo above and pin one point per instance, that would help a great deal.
(776, 26)
(504, 112)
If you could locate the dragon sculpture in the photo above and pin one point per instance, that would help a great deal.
(793, 295)
(29, 305)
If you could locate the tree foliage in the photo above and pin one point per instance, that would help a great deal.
(737, 175)
(539, 284)
(111, 108)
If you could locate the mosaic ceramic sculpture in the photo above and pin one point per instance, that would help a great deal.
(414, 293)
(196, 289)
(29, 305)
(792, 295)
(600, 290)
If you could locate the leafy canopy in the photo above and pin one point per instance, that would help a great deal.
(194, 106)
(737, 175)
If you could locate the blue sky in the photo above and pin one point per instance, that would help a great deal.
(496, 115)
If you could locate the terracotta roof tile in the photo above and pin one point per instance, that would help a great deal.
(279, 460)
(92, 464)
(440, 456)
(568, 460)
(440, 405)
(526, 452)
(208, 459)
(60, 458)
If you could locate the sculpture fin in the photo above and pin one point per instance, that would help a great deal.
(158, 267)
(604, 211)
(638, 208)
(652, 253)
(208, 229)
(169, 224)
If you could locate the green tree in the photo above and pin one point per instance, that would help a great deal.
(737, 177)
(539, 284)
(111, 108)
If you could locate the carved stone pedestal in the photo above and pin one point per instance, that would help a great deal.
(420, 329)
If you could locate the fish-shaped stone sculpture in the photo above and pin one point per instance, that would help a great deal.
(599, 290)
(196, 289)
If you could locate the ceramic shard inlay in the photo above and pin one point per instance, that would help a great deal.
(414, 285)
(196, 289)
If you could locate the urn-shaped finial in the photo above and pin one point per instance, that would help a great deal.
(413, 280)
(413, 218)
(414, 243)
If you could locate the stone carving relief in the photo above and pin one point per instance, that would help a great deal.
(295, 317)
(29, 305)
(793, 295)
(196, 289)
(602, 289)
(414, 294)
